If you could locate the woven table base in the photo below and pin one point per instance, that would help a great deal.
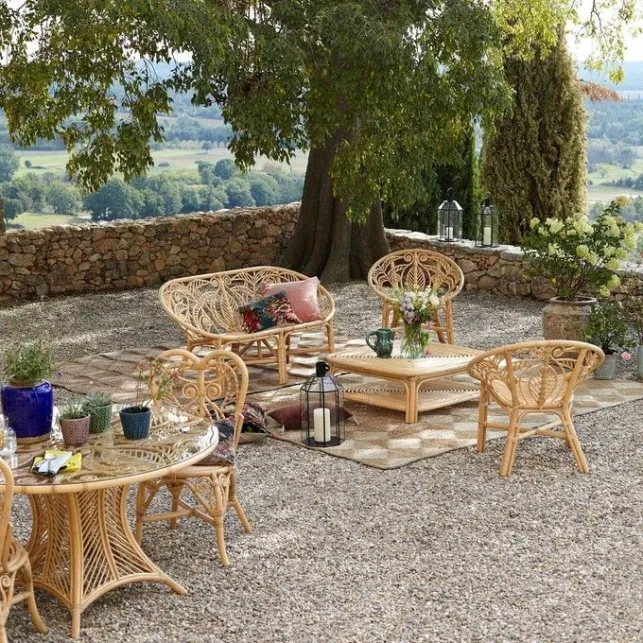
(82, 546)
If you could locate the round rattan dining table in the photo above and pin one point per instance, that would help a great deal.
(81, 543)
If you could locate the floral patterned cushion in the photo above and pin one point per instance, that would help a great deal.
(254, 418)
(268, 312)
(223, 455)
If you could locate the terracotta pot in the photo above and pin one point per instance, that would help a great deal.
(567, 319)
(75, 432)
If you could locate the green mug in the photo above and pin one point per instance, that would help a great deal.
(383, 345)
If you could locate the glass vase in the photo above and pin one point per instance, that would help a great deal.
(414, 341)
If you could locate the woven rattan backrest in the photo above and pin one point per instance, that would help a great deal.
(211, 302)
(6, 504)
(415, 270)
(537, 374)
(214, 385)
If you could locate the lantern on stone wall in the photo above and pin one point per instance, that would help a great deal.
(487, 236)
(322, 409)
(449, 219)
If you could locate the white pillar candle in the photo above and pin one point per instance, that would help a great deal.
(322, 425)
(449, 234)
(486, 236)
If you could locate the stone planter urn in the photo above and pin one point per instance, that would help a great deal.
(607, 370)
(567, 319)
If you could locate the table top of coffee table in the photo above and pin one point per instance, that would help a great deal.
(442, 359)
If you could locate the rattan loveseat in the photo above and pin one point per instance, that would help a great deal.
(207, 308)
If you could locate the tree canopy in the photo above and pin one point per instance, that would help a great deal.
(398, 79)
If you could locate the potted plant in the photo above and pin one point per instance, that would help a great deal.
(137, 419)
(27, 397)
(607, 329)
(633, 307)
(99, 406)
(580, 259)
(74, 423)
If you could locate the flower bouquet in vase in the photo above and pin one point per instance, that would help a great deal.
(415, 309)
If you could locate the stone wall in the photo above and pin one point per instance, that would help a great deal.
(132, 254)
(499, 270)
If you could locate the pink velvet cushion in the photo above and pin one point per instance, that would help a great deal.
(302, 296)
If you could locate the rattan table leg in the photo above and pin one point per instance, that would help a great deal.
(82, 547)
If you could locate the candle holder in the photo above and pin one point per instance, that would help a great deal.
(487, 236)
(322, 409)
(450, 219)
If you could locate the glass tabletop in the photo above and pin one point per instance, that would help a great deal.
(109, 459)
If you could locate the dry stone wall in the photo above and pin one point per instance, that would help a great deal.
(501, 270)
(133, 254)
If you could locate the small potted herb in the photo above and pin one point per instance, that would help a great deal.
(99, 406)
(27, 397)
(74, 423)
(608, 330)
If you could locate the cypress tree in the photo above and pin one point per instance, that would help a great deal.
(462, 175)
(534, 163)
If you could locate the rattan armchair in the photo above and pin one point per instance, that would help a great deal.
(533, 377)
(14, 565)
(417, 270)
(215, 386)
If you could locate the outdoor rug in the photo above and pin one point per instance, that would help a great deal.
(118, 372)
(375, 437)
(379, 438)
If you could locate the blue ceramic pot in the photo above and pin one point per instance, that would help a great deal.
(28, 410)
(136, 422)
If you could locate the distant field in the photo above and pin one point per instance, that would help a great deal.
(179, 159)
(606, 193)
(35, 220)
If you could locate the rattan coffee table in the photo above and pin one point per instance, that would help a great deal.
(409, 385)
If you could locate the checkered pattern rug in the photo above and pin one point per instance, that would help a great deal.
(375, 437)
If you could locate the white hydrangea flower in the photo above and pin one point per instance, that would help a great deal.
(582, 251)
(534, 223)
(613, 264)
(604, 291)
(556, 225)
(614, 282)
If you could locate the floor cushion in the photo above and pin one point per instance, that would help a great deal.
(290, 416)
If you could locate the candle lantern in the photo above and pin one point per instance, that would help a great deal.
(449, 219)
(487, 236)
(322, 409)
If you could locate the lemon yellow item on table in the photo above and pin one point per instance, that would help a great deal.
(73, 464)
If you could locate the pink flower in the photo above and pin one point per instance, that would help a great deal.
(626, 356)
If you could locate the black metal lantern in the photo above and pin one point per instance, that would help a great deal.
(487, 236)
(322, 409)
(449, 219)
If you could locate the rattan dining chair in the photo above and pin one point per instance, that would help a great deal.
(14, 565)
(528, 378)
(215, 386)
(417, 270)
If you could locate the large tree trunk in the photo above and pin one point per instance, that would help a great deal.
(325, 242)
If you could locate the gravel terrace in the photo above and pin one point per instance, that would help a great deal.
(441, 550)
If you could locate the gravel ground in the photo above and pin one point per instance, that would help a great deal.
(441, 550)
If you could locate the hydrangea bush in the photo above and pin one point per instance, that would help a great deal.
(580, 257)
